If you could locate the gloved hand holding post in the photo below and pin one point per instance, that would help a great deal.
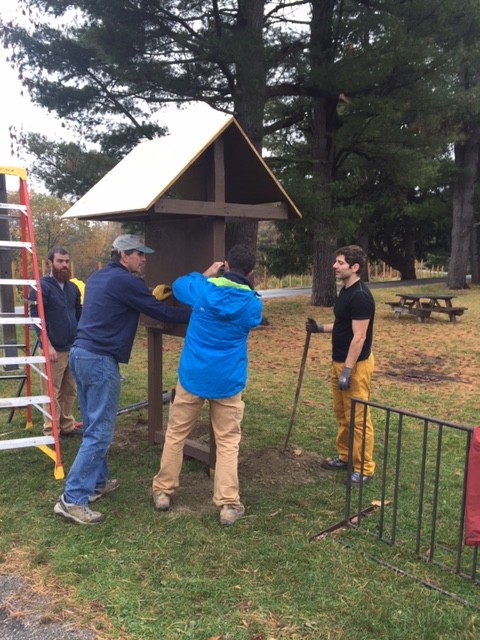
(344, 379)
(312, 327)
(162, 291)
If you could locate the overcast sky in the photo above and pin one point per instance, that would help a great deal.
(17, 109)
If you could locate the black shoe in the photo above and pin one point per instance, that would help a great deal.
(334, 464)
(77, 431)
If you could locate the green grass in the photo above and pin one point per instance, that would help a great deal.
(179, 575)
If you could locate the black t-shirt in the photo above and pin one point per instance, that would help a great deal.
(353, 303)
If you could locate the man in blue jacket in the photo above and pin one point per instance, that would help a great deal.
(114, 298)
(213, 366)
(62, 307)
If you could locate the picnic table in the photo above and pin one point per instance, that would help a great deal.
(424, 304)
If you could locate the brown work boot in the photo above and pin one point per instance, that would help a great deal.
(230, 513)
(109, 486)
(161, 501)
(78, 513)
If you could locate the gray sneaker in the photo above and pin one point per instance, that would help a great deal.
(109, 486)
(161, 501)
(78, 513)
(230, 513)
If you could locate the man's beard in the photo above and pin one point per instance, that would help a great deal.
(62, 275)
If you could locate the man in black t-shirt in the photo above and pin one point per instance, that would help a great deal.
(352, 363)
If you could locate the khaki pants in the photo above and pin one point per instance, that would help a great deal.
(64, 391)
(360, 381)
(226, 416)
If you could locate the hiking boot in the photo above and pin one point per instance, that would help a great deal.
(334, 464)
(357, 479)
(230, 513)
(109, 486)
(78, 513)
(161, 501)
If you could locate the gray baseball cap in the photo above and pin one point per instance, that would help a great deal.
(127, 242)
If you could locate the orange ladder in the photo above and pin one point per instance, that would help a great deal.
(20, 216)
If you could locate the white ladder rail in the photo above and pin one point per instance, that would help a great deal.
(18, 443)
(19, 215)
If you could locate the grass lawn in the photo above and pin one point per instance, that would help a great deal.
(179, 575)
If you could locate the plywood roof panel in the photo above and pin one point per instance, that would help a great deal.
(171, 166)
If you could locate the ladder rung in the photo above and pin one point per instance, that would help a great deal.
(13, 207)
(19, 320)
(34, 441)
(19, 376)
(13, 345)
(25, 401)
(15, 244)
(19, 281)
(21, 360)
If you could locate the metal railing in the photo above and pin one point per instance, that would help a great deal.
(421, 506)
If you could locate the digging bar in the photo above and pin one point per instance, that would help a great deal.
(299, 386)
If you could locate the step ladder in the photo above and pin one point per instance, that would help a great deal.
(36, 368)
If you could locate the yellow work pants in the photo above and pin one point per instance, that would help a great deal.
(226, 417)
(360, 381)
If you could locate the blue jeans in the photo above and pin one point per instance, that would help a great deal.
(98, 392)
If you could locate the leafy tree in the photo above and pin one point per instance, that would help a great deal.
(86, 242)
(104, 67)
(366, 79)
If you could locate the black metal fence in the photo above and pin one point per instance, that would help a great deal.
(420, 486)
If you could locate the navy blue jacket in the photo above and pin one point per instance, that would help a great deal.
(112, 303)
(62, 309)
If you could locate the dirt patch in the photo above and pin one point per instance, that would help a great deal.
(256, 467)
(260, 467)
(274, 466)
(409, 372)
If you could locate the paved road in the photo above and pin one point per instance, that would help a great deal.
(30, 625)
(300, 291)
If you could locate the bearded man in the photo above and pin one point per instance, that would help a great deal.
(62, 308)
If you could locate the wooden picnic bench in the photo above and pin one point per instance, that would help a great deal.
(423, 305)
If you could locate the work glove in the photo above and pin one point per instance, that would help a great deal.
(162, 291)
(344, 379)
(313, 327)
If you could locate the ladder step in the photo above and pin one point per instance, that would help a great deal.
(19, 281)
(13, 207)
(19, 320)
(18, 443)
(15, 244)
(22, 360)
(13, 345)
(25, 401)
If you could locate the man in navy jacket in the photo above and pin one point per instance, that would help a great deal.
(62, 307)
(114, 298)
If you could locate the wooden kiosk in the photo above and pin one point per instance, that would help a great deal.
(183, 188)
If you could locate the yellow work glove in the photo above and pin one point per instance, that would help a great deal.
(162, 291)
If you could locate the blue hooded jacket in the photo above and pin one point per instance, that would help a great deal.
(213, 362)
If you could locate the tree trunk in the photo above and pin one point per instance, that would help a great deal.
(324, 117)
(474, 256)
(324, 290)
(466, 161)
(249, 99)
